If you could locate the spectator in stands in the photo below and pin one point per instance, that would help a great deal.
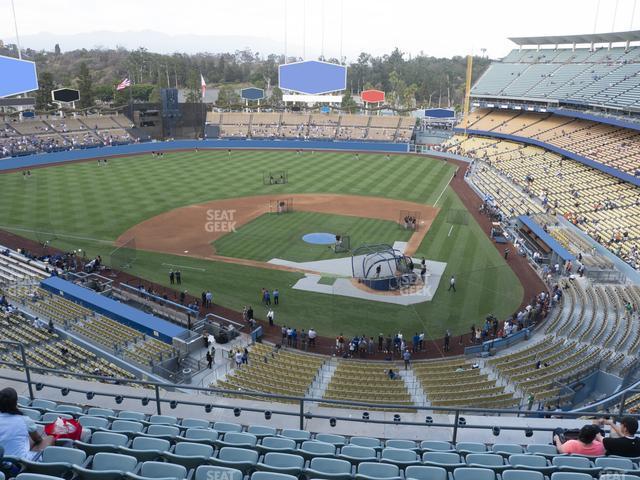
(392, 375)
(209, 360)
(19, 435)
(622, 441)
(406, 356)
(586, 444)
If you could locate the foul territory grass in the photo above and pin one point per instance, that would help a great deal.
(280, 236)
(83, 206)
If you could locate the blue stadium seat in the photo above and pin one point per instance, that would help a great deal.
(328, 469)
(261, 431)
(55, 461)
(532, 462)
(277, 444)
(507, 449)
(103, 442)
(570, 476)
(42, 404)
(189, 454)
(281, 463)
(402, 444)
(100, 412)
(168, 432)
(126, 427)
(271, 476)
(131, 415)
(399, 457)
(297, 435)
(615, 463)
(23, 401)
(313, 448)
(423, 472)
(159, 470)
(337, 440)
(146, 449)
(241, 458)
(238, 439)
(32, 413)
(50, 417)
(163, 420)
(368, 442)
(543, 449)
(70, 409)
(194, 423)
(202, 435)
(487, 460)
(436, 446)
(106, 466)
(35, 476)
(576, 464)
(447, 460)
(522, 475)
(210, 472)
(377, 471)
(470, 447)
(224, 427)
(355, 454)
(93, 423)
(469, 473)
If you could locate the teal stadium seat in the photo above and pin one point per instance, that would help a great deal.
(470, 473)
(616, 463)
(378, 471)
(202, 435)
(402, 444)
(163, 420)
(93, 423)
(522, 475)
(271, 476)
(355, 454)
(238, 439)
(436, 446)
(55, 461)
(281, 463)
(542, 449)
(399, 457)
(168, 432)
(261, 431)
(336, 440)
(312, 449)
(567, 463)
(224, 427)
(368, 442)
(194, 423)
(328, 469)
(159, 470)
(277, 444)
(126, 427)
(210, 472)
(106, 466)
(487, 460)
(146, 449)
(507, 449)
(241, 458)
(423, 472)
(447, 460)
(570, 476)
(532, 462)
(189, 454)
(470, 447)
(103, 442)
(297, 435)
(131, 415)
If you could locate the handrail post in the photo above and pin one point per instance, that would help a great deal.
(158, 407)
(622, 400)
(26, 370)
(302, 414)
(455, 427)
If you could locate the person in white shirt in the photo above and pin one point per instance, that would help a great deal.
(19, 436)
(238, 358)
(270, 316)
(312, 337)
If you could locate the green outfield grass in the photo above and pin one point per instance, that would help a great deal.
(280, 236)
(83, 206)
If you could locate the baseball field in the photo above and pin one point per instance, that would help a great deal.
(168, 204)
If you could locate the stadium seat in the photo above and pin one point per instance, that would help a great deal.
(23, 401)
(194, 423)
(168, 432)
(271, 476)
(100, 412)
(328, 469)
(261, 431)
(281, 463)
(575, 464)
(313, 448)
(93, 423)
(368, 442)
(447, 460)
(487, 460)
(202, 435)
(422, 472)
(337, 440)
(470, 447)
(42, 404)
(189, 454)
(618, 476)
(35, 476)
(297, 435)
(468, 473)
(209, 472)
(507, 449)
(277, 444)
(238, 439)
(531, 462)
(399, 457)
(377, 471)
(436, 446)
(50, 417)
(55, 461)
(33, 414)
(615, 463)
(70, 409)
(146, 449)
(570, 476)
(522, 475)
(224, 427)
(130, 415)
(231, 457)
(356, 454)
(402, 444)
(126, 427)
(106, 466)
(103, 442)
(542, 449)
(163, 420)
(159, 470)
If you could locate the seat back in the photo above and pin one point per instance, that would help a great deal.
(72, 409)
(163, 420)
(470, 473)
(113, 461)
(570, 476)
(194, 423)
(614, 462)
(368, 442)
(271, 476)
(337, 440)
(233, 454)
(522, 475)
(201, 434)
(378, 470)
(126, 426)
(261, 430)
(146, 443)
(278, 442)
(210, 472)
(129, 415)
(330, 465)
(51, 417)
(63, 455)
(190, 449)
(93, 422)
(109, 438)
(542, 448)
(355, 451)
(161, 429)
(314, 446)
(283, 460)
(401, 444)
(574, 462)
(399, 455)
(100, 412)
(441, 457)
(295, 434)
(425, 472)
(240, 438)
(43, 404)
(471, 447)
(510, 448)
(163, 470)
(436, 445)
(535, 461)
(488, 459)
(227, 427)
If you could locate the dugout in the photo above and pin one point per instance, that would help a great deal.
(535, 239)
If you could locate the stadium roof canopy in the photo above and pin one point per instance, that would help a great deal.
(613, 37)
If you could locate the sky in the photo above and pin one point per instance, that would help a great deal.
(313, 27)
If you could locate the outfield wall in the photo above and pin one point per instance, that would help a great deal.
(42, 159)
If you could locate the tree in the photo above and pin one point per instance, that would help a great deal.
(227, 96)
(85, 85)
(276, 96)
(43, 96)
(56, 49)
(349, 105)
(104, 93)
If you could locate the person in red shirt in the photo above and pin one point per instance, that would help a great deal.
(586, 444)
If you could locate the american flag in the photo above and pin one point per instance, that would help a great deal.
(124, 84)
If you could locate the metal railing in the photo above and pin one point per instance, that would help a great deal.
(303, 412)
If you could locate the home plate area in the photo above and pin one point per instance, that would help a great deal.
(342, 282)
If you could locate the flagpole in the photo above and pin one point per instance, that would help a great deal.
(130, 96)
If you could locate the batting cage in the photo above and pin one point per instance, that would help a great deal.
(457, 217)
(343, 243)
(281, 205)
(277, 177)
(381, 267)
(125, 255)
(409, 220)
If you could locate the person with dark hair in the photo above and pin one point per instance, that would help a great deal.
(19, 436)
(586, 444)
(622, 440)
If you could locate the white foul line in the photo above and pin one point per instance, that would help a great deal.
(445, 187)
(450, 230)
(184, 266)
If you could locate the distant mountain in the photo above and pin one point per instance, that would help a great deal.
(153, 41)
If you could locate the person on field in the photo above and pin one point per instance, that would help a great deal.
(276, 296)
(172, 277)
(452, 283)
(178, 277)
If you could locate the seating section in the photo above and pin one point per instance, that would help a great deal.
(371, 382)
(527, 179)
(48, 134)
(604, 76)
(274, 370)
(313, 126)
